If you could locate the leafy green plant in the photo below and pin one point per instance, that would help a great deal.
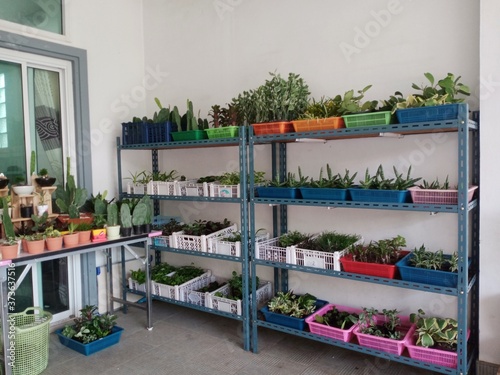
(171, 227)
(380, 182)
(235, 287)
(351, 103)
(204, 227)
(82, 227)
(337, 319)
(434, 260)
(50, 232)
(438, 333)
(278, 99)
(180, 276)
(444, 91)
(390, 326)
(90, 326)
(292, 238)
(330, 241)
(387, 251)
(40, 222)
(435, 185)
(139, 276)
(288, 303)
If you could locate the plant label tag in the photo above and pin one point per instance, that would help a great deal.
(224, 306)
(310, 261)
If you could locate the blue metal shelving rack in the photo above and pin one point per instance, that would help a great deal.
(467, 290)
(241, 143)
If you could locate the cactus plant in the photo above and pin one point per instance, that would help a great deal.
(125, 216)
(139, 214)
(148, 219)
(10, 235)
(112, 211)
(70, 198)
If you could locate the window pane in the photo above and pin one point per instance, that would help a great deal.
(13, 151)
(41, 14)
(3, 125)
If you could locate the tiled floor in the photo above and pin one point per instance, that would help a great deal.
(191, 342)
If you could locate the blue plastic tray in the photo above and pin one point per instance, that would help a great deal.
(289, 321)
(278, 192)
(324, 193)
(93, 347)
(374, 195)
(423, 114)
(426, 276)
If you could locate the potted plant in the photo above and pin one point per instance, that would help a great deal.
(7, 206)
(40, 222)
(225, 121)
(377, 259)
(378, 188)
(290, 310)
(42, 205)
(437, 102)
(69, 200)
(357, 113)
(334, 321)
(139, 217)
(4, 181)
(91, 331)
(323, 250)
(148, 218)
(35, 243)
(53, 239)
(331, 187)
(385, 331)
(84, 233)
(429, 267)
(137, 280)
(125, 220)
(113, 226)
(44, 179)
(434, 340)
(99, 222)
(191, 128)
(272, 106)
(21, 187)
(70, 238)
(10, 246)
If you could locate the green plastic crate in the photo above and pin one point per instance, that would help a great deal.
(367, 119)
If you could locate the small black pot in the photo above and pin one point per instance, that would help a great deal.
(137, 229)
(26, 211)
(125, 232)
(45, 181)
(146, 228)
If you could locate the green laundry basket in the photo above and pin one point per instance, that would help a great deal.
(31, 340)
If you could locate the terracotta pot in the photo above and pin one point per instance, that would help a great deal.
(35, 247)
(84, 236)
(71, 239)
(9, 251)
(54, 243)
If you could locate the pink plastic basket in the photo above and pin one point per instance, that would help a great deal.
(386, 344)
(435, 196)
(429, 355)
(332, 332)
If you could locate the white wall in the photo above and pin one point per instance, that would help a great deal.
(490, 207)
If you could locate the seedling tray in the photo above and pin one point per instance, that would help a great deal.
(278, 192)
(324, 193)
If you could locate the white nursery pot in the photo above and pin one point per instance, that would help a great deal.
(42, 208)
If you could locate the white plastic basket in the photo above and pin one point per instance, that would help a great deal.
(162, 188)
(218, 246)
(137, 188)
(191, 188)
(132, 284)
(224, 191)
(181, 292)
(200, 298)
(198, 243)
(318, 259)
(271, 251)
(264, 294)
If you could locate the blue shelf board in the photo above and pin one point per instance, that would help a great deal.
(186, 198)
